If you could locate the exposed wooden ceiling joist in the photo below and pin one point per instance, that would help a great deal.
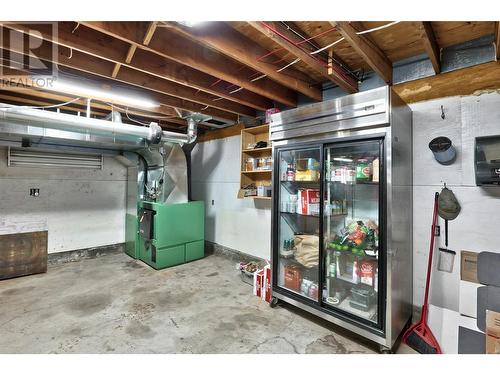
(167, 103)
(43, 98)
(183, 51)
(277, 33)
(20, 98)
(431, 46)
(221, 37)
(465, 81)
(173, 75)
(373, 56)
(94, 65)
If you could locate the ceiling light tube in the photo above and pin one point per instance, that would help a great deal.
(72, 88)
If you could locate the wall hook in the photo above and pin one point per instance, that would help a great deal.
(443, 116)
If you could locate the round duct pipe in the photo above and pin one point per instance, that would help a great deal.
(60, 121)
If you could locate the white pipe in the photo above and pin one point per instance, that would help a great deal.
(88, 108)
(60, 121)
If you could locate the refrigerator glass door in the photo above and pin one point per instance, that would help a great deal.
(351, 217)
(299, 175)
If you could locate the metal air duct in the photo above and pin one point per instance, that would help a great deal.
(65, 122)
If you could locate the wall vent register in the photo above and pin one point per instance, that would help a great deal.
(35, 158)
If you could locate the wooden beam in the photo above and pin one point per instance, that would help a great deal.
(184, 51)
(226, 40)
(149, 33)
(221, 133)
(10, 97)
(431, 46)
(130, 54)
(467, 81)
(497, 39)
(275, 32)
(370, 52)
(94, 65)
(116, 69)
(166, 102)
(173, 74)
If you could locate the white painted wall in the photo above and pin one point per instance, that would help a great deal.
(79, 208)
(476, 227)
(244, 225)
(240, 224)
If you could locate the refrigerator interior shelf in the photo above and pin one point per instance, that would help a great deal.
(345, 305)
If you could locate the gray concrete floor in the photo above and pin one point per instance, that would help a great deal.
(114, 304)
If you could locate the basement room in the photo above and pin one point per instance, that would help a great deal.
(323, 183)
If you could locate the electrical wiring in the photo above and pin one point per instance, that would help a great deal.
(47, 106)
(125, 110)
(378, 28)
(286, 66)
(359, 33)
(259, 77)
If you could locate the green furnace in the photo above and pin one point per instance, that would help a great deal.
(163, 228)
(170, 234)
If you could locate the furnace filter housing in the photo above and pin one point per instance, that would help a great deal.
(443, 150)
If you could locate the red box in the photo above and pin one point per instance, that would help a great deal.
(308, 201)
(258, 282)
(266, 290)
(292, 277)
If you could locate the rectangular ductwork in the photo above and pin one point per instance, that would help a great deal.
(35, 158)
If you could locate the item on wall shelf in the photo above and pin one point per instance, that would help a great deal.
(419, 336)
(250, 164)
(264, 191)
(443, 150)
(256, 163)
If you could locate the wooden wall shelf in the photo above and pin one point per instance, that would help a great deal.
(251, 176)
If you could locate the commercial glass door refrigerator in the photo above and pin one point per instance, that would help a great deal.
(342, 212)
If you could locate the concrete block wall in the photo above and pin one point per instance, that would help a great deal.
(79, 208)
(240, 224)
(245, 225)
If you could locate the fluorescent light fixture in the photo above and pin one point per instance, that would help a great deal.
(190, 23)
(105, 95)
(343, 159)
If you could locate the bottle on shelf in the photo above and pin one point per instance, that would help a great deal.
(375, 170)
(363, 170)
(290, 172)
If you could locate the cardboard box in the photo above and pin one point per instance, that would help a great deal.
(492, 332)
(468, 266)
(266, 289)
(308, 202)
(293, 277)
(258, 282)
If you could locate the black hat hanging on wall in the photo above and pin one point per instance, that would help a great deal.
(443, 150)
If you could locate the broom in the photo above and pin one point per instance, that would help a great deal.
(419, 336)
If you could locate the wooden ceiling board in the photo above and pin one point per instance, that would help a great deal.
(280, 54)
(450, 32)
(398, 41)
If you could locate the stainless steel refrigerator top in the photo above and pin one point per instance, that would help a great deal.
(342, 212)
